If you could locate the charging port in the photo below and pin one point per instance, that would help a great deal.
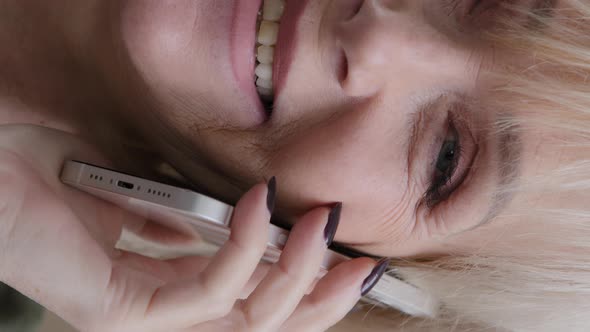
(125, 185)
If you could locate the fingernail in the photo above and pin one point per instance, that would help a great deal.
(272, 192)
(332, 225)
(374, 276)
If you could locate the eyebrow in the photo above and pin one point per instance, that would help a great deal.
(509, 151)
(509, 141)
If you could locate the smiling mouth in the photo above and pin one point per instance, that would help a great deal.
(267, 32)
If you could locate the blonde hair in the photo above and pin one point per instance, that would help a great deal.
(536, 276)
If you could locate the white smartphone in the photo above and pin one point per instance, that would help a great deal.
(196, 214)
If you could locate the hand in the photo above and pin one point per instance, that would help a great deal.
(57, 247)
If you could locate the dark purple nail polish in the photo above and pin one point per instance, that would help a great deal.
(332, 225)
(374, 276)
(272, 192)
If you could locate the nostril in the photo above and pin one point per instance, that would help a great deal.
(342, 67)
(355, 8)
(359, 4)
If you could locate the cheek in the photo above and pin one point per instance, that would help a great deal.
(326, 162)
(157, 36)
(351, 161)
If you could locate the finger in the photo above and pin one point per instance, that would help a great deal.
(184, 268)
(334, 296)
(188, 267)
(156, 233)
(273, 301)
(167, 244)
(212, 293)
(165, 270)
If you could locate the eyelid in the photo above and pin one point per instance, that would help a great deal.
(423, 128)
(415, 124)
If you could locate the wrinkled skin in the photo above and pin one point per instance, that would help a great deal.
(368, 135)
(367, 131)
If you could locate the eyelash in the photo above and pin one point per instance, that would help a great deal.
(451, 6)
(441, 187)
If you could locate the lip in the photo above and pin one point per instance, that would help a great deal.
(242, 42)
(286, 45)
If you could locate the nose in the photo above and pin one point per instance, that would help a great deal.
(382, 42)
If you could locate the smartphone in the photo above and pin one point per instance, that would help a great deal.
(209, 219)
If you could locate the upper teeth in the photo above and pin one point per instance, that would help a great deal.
(272, 11)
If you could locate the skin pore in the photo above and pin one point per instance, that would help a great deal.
(381, 109)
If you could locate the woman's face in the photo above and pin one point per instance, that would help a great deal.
(376, 104)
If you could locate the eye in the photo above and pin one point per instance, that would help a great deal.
(442, 184)
(446, 158)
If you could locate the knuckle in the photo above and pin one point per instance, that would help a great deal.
(221, 308)
(248, 318)
(218, 303)
(115, 295)
(331, 311)
(253, 248)
(286, 272)
(245, 320)
(236, 246)
(312, 301)
(315, 304)
(224, 307)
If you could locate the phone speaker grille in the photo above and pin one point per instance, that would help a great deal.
(158, 193)
(96, 177)
(150, 191)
